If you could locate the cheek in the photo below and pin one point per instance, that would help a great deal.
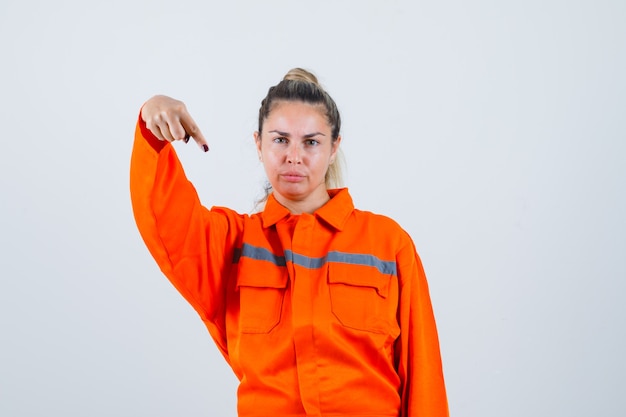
(270, 160)
(322, 160)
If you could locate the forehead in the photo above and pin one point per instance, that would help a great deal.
(297, 115)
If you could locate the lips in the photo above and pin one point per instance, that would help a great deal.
(292, 176)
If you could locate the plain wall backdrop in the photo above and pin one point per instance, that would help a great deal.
(492, 131)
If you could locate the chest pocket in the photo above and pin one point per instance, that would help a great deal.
(261, 297)
(363, 298)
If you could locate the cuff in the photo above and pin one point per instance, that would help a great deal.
(152, 140)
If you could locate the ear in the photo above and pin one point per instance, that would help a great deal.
(257, 142)
(335, 149)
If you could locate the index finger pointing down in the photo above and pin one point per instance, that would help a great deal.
(192, 130)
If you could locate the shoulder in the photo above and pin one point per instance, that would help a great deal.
(233, 218)
(228, 212)
(383, 229)
(376, 219)
(381, 222)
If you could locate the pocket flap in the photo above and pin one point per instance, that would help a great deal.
(359, 276)
(262, 276)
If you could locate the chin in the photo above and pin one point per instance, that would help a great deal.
(294, 192)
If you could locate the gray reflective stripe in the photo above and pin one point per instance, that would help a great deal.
(385, 267)
(262, 254)
(305, 261)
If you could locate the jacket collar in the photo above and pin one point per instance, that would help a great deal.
(335, 212)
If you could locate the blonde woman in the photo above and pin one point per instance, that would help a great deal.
(320, 309)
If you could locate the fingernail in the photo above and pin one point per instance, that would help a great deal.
(205, 147)
(187, 138)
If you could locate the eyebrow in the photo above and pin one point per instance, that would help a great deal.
(308, 135)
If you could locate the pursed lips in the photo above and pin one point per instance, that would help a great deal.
(292, 176)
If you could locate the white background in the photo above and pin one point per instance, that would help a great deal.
(492, 131)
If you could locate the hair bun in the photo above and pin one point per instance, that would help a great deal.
(299, 74)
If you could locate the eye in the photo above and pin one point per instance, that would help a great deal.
(312, 142)
(280, 139)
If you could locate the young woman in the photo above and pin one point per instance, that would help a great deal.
(319, 308)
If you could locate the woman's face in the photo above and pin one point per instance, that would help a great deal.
(296, 149)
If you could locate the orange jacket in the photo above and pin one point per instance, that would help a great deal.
(318, 315)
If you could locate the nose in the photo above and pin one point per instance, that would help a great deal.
(293, 154)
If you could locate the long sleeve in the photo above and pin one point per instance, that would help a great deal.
(192, 245)
(417, 351)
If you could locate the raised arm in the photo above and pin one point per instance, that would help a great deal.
(192, 245)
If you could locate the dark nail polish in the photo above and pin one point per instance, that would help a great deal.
(205, 147)
(187, 138)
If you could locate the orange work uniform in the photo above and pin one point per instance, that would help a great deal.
(323, 314)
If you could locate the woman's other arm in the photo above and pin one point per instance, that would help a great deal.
(417, 350)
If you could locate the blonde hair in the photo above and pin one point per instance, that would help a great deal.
(301, 85)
